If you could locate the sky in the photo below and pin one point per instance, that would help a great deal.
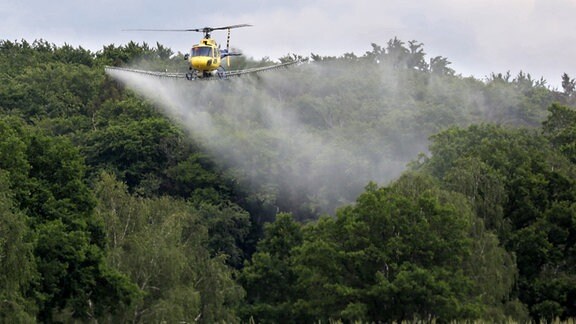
(479, 37)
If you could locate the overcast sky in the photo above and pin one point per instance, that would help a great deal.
(477, 36)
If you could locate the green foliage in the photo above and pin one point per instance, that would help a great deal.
(378, 251)
(269, 277)
(485, 230)
(407, 252)
(74, 276)
(227, 225)
(134, 151)
(163, 246)
(50, 90)
(560, 129)
(17, 267)
(46, 180)
(568, 85)
(524, 190)
(158, 58)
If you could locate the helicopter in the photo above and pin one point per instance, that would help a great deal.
(205, 58)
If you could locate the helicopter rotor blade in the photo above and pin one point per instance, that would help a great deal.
(230, 27)
(202, 30)
(162, 30)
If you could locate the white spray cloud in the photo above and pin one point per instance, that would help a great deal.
(317, 133)
(264, 139)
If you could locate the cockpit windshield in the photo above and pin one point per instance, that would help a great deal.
(202, 51)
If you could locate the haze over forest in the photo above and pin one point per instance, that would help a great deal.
(382, 186)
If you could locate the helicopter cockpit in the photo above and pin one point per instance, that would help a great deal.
(203, 51)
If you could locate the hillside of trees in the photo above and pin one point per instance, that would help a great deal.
(380, 187)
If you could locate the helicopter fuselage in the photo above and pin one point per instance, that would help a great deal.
(205, 57)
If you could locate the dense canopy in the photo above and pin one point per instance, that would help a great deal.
(381, 187)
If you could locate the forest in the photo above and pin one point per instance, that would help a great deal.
(374, 187)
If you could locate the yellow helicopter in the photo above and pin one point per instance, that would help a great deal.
(205, 58)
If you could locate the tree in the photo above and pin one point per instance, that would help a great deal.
(74, 277)
(17, 266)
(367, 263)
(416, 58)
(560, 128)
(492, 268)
(46, 177)
(439, 66)
(396, 53)
(483, 186)
(269, 277)
(228, 226)
(138, 151)
(536, 186)
(161, 244)
(568, 85)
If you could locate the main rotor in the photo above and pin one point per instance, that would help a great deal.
(205, 30)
